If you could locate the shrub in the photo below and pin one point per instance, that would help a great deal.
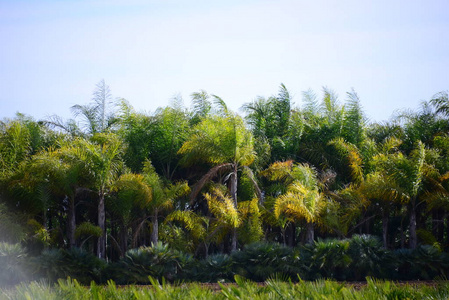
(214, 268)
(261, 260)
(367, 257)
(425, 262)
(326, 259)
(158, 261)
(12, 264)
(75, 263)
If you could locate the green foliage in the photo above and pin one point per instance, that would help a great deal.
(13, 264)
(99, 115)
(87, 229)
(368, 257)
(186, 230)
(157, 261)
(219, 140)
(260, 261)
(223, 208)
(386, 175)
(250, 230)
(243, 289)
(326, 259)
(425, 262)
(11, 229)
(76, 263)
(177, 238)
(214, 268)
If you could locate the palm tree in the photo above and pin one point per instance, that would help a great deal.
(441, 103)
(303, 199)
(323, 121)
(162, 198)
(407, 175)
(273, 120)
(98, 116)
(101, 157)
(196, 227)
(65, 176)
(226, 213)
(368, 185)
(15, 146)
(225, 143)
(132, 193)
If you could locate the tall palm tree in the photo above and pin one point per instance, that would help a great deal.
(162, 198)
(225, 143)
(303, 199)
(368, 184)
(15, 146)
(132, 193)
(101, 157)
(273, 120)
(98, 116)
(65, 175)
(407, 175)
(441, 103)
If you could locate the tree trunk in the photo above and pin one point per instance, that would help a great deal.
(440, 226)
(310, 233)
(385, 228)
(233, 191)
(413, 242)
(402, 235)
(234, 240)
(123, 239)
(71, 226)
(155, 232)
(292, 235)
(435, 223)
(101, 244)
(283, 231)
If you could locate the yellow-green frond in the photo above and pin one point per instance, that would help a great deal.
(300, 203)
(133, 187)
(223, 208)
(194, 223)
(279, 170)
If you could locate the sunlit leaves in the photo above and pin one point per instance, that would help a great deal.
(132, 189)
(223, 208)
(303, 199)
(218, 140)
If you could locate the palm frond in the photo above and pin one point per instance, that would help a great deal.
(223, 207)
(194, 223)
(209, 175)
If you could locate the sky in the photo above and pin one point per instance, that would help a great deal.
(394, 54)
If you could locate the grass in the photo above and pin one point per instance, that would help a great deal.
(243, 289)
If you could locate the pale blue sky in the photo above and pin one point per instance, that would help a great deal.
(52, 53)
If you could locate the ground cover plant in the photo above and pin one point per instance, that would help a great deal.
(243, 289)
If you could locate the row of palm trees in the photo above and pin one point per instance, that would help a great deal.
(207, 180)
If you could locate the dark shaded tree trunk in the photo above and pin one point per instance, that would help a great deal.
(310, 233)
(123, 239)
(71, 222)
(155, 232)
(233, 191)
(385, 216)
(402, 235)
(283, 232)
(438, 225)
(234, 240)
(101, 244)
(413, 240)
(292, 235)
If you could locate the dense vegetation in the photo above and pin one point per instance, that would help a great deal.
(243, 289)
(314, 190)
